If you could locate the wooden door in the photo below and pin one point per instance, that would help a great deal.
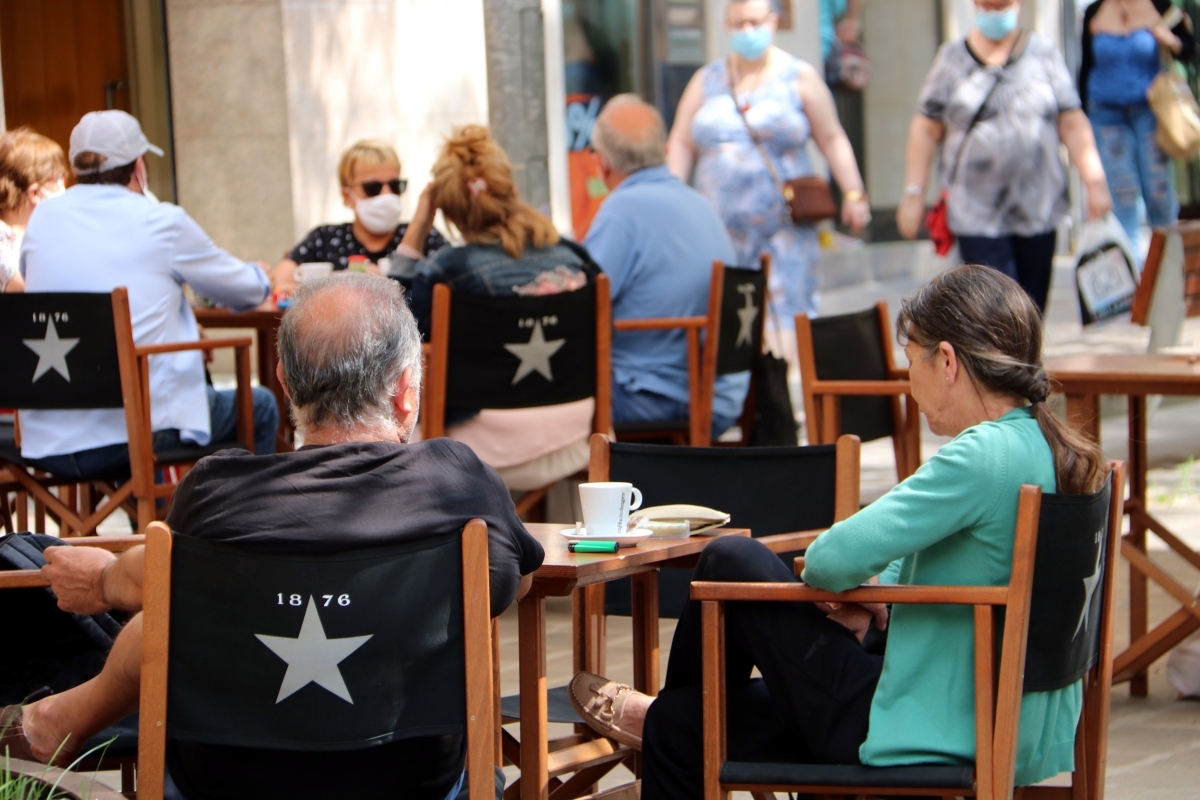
(61, 59)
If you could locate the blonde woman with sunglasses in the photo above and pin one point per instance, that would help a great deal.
(369, 174)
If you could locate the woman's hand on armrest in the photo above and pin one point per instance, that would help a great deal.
(857, 617)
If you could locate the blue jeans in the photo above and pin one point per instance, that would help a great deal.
(629, 406)
(113, 459)
(1137, 168)
(1028, 260)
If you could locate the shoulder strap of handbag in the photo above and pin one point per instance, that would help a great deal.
(753, 135)
(1014, 54)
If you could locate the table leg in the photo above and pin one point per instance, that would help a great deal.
(1139, 611)
(589, 628)
(1083, 414)
(268, 359)
(535, 779)
(645, 632)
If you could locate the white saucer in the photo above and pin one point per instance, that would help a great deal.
(630, 539)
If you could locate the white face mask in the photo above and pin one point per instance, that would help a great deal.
(53, 189)
(379, 214)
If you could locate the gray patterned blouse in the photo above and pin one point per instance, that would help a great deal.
(1012, 181)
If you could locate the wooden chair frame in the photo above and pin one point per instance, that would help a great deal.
(822, 398)
(1190, 234)
(477, 645)
(437, 358)
(33, 579)
(998, 685)
(701, 361)
(140, 494)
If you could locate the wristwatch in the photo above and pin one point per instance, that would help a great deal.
(854, 195)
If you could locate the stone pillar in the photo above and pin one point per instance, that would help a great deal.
(516, 65)
(230, 119)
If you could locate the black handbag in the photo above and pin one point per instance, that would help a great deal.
(774, 419)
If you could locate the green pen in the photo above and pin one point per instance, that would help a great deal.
(592, 547)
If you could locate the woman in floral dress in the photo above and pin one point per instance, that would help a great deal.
(785, 102)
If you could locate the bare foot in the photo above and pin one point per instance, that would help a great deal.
(44, 739)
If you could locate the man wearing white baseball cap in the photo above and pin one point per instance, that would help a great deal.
(105, 232)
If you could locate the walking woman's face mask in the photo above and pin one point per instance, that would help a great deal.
(995, 25)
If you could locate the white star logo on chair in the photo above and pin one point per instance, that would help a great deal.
(313, 658)
(52, 353)
(535, 356)
(1089, 594)
(746, 314)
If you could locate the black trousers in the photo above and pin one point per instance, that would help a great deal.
(810, 706)
(1029, 260)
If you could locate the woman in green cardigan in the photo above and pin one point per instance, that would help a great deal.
(974, 341)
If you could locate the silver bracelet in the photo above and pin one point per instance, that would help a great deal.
(913, 189)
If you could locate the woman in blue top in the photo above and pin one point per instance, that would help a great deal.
(974, 342)
(1121, 44)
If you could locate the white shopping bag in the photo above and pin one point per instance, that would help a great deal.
(1105, 270)
(1183, 667)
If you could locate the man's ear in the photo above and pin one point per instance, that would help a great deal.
(279, 375)
(406, 401)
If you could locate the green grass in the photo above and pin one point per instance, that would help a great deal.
(17, 786)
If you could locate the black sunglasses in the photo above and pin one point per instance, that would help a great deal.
(373, 188)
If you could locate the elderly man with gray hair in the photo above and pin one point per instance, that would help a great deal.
(350, 360)
(656, 238)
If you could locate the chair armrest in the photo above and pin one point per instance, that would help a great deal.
(113, 544)
(794, 592)
(23, 579)
(787, 542)
(860, 387)
(203, 344)
(659, 323)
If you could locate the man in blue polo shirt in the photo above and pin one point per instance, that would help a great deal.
(656, 238)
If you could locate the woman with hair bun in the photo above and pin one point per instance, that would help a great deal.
(510, 250)
(32, 169)
(974, 341)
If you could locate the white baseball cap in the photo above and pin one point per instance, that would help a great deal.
(115, 135)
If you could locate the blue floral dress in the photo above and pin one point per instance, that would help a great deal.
(730, 172)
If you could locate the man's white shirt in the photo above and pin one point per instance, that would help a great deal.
(95, 238)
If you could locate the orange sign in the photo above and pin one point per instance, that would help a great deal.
(587, 184)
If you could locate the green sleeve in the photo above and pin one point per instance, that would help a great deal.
(953, 490)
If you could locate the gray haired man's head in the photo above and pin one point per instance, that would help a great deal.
(629, 133)
(344, 345)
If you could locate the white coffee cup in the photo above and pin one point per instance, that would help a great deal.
(606, 507)
(312, 270)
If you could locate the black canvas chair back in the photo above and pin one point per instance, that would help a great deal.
(770, 490)
(850, 347)
(743, 299)
(521, 352)
(58, 350)
(1068, 580)
(315, 652)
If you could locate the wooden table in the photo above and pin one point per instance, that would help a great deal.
(266, 323)
(561, 574)
(1083, 379)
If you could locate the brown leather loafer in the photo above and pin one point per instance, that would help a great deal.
(612, 709)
